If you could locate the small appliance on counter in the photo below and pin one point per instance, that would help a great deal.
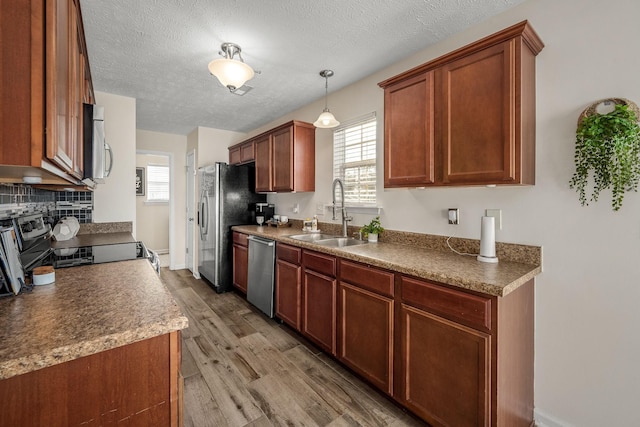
(265, 210)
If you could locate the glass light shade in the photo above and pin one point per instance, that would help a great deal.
(231, 73)
(326, 120)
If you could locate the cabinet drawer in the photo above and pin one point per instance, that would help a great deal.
(367, 277)
(325, 264)
(288, 253)
(468, 309)
(240, 239)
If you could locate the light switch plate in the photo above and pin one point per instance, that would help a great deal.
(497, 214)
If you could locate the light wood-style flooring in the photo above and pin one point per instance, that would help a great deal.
(243, 369)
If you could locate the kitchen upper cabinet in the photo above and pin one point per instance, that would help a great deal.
(466, 118)
(45, 79)
(366, 322)
(242, 153)
(319, 293)
(409, 138)
(284, 158)
(289, 285)
(240, 261)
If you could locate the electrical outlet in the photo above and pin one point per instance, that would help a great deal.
(497, 214)
(320, 209)
(454, 216)
(296, 208)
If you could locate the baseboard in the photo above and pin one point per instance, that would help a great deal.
(545, 420)
(161, 251)
(177, 267)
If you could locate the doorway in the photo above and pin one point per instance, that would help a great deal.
(155, 203)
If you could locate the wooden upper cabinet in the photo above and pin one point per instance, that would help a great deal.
(408, 127)
(285, 158)
(264, 178)
(242, 153)
(42, 107)
(481, 108)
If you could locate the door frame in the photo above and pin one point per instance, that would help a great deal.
(193, 244)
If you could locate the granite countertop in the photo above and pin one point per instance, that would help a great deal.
(87, 310)
(437, 265)
(93, 240)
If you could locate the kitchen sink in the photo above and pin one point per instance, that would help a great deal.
(314, 237)
(340, 242)
(330, 240)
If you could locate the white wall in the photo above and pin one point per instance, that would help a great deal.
(587, 369)
(175, 146)
(152, 219)
(115, 200)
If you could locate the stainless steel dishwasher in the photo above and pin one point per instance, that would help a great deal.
(260, 285)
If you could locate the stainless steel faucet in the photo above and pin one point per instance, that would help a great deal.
(345, 217)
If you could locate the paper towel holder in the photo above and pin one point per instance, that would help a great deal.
(487, 240)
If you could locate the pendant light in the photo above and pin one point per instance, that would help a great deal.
(231, 72)
(326, 119)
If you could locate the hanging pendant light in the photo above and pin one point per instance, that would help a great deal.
(326, 119)
(231, 72)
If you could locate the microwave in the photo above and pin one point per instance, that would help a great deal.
(98, 156)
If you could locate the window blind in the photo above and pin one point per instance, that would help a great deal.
(354, 160)
(158, 183)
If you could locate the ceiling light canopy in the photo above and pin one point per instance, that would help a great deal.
(231, 72)
(326, 119)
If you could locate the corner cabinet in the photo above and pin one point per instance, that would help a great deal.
(42, 109)
(284, 158)
(467, 118)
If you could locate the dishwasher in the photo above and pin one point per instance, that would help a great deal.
(260, 283)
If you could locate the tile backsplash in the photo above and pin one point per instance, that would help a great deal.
(17, 198)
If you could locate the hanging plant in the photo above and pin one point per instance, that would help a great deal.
(607, 148)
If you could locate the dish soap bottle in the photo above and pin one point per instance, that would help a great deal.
(314, 223)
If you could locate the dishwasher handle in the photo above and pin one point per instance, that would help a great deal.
(262, 241)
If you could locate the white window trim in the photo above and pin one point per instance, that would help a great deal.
(364, 208)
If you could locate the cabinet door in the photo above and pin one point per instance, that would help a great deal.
(409, 132)
(445, 370)
(319, 302)
(264, 180)
(58, 82)
(234, 156)
(247, 152)
(76, 93)
(478, 117)
(366, 335)
(283, 160)
(288, 292)
(240, 267)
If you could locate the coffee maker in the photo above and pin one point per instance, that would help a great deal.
(265, 210)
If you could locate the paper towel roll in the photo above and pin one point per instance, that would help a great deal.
(488, 240)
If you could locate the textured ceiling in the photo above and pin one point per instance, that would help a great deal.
(157, 51)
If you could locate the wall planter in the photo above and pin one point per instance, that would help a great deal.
(608, 151)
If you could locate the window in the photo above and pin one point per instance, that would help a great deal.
(354, 160)
(157, 183)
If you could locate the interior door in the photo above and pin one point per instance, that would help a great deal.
(191, 215)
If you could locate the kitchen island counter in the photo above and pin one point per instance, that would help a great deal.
(89, 309)
(441, 266)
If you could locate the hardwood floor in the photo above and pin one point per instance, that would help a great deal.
(244, 369)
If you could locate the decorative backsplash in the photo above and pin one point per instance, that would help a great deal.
(17, 198)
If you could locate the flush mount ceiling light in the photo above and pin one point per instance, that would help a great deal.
(326, 119)
(231, 72)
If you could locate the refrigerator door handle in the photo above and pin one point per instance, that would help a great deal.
(203, 215)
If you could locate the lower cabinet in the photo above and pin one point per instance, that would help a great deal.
(452, 357)
(445, 368)
(319, 291)
(137, 384)
(240, 261)
(288, 285)
(366, 319)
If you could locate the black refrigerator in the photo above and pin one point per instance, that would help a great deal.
(227, 198)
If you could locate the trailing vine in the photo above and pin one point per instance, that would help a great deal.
(607, 148)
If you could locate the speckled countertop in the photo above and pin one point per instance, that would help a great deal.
(87, 310)
(428, 263)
